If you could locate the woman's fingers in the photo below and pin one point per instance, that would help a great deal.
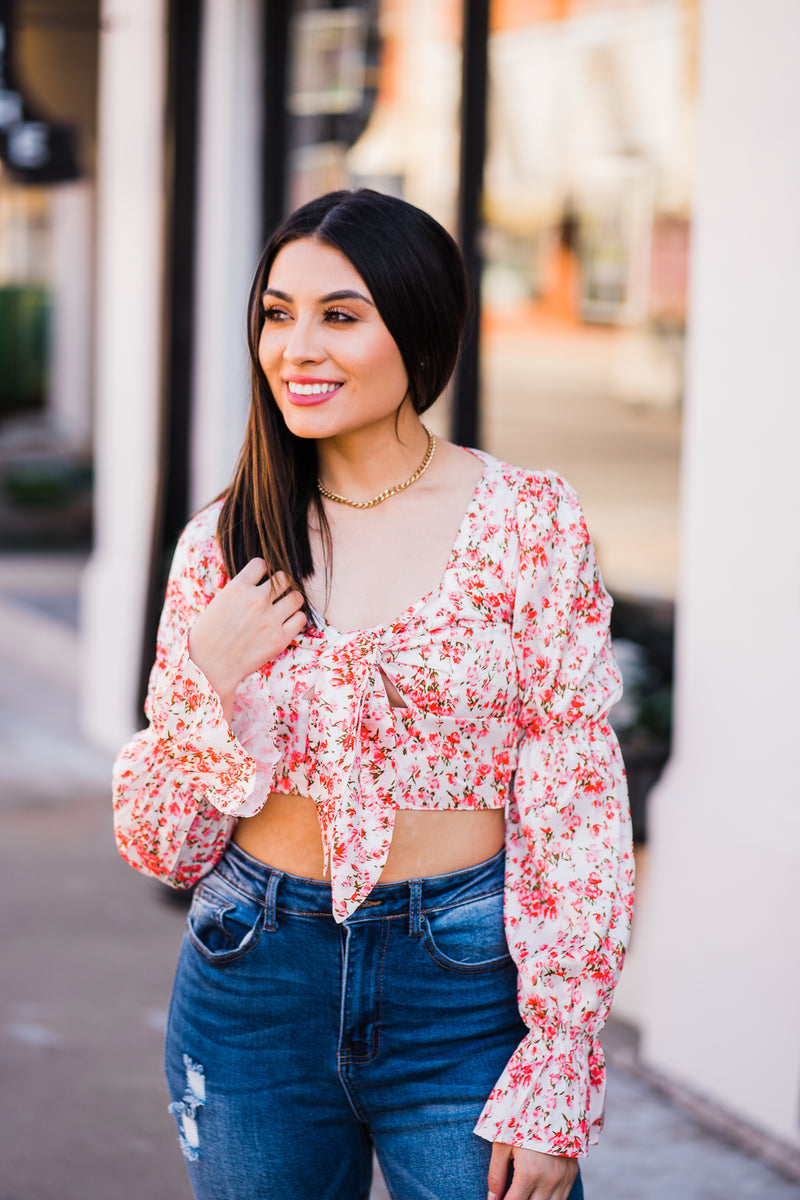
(294, 625)
(535, 1176)
(287, 605)
(251, 573)
(283, 616)
(275, 585)
(276, 589)
(286, 602)
(498, 1170)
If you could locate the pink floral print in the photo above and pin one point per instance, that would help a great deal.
(507, 674)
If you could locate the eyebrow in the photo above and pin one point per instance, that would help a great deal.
(346, 294)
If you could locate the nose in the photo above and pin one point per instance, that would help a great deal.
(302, 345)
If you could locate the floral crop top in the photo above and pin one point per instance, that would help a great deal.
(507, 674)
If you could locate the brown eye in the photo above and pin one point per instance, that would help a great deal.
(337, 316)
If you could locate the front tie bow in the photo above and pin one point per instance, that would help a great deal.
(352, 739)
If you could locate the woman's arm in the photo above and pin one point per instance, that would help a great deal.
(569, 858)
(180, 784)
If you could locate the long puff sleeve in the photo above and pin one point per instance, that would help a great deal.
(180, 784)
(569, 855)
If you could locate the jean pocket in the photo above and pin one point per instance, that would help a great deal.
(468, 937)
(223, 924)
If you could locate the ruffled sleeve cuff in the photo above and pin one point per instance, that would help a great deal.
(188, 720)
(552, 1104)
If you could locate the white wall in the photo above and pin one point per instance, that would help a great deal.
(716, 940)
(128, 330)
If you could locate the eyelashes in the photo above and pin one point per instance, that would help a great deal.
(276, 315)
(271, 313)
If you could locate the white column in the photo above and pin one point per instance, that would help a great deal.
(128, 330)
(717, 930)
(228, 237)
(69, 402)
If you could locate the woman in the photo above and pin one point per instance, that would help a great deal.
(378, 737)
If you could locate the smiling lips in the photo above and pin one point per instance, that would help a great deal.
(310, 391)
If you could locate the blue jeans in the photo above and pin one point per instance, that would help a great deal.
(295, 1045)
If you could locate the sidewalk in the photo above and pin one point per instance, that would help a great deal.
(88, 949)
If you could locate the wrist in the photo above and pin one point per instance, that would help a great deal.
(220, 680)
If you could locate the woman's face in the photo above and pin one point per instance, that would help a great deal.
(331, 363)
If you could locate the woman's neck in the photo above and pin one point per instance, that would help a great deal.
(363, 463)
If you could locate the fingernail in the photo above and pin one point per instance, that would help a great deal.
(492, 1196)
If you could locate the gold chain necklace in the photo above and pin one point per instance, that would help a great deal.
(392, 491)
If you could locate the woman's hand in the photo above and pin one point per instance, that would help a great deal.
(246, 624)
(536, 1176)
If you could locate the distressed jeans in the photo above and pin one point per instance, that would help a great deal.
(296, 1046)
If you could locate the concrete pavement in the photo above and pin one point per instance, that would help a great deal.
(88, 947)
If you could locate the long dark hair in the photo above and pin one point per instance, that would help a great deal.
(415, 274)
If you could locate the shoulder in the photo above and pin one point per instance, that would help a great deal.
(530, 498)
(202, 527)
(197, 553)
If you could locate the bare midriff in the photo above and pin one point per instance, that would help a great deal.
(425, 842)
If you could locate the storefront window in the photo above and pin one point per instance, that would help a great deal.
(374, 100)
(587, 206)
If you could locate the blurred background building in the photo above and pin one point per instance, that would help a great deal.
(578, 148)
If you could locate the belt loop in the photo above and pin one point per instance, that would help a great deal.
(270, 901)
(415, 908)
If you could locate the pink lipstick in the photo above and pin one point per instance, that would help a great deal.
(305, 390)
